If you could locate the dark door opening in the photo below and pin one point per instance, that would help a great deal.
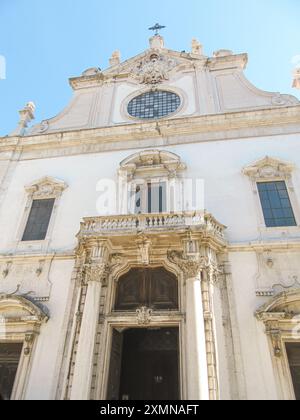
(293, 352)
(145, 365)
(10, 354)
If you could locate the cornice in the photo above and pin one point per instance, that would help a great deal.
(217, 127)
(260, 246)
(17, 258)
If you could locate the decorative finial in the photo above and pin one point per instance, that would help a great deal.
(296, 80)
(26, 116)
(115, 59)
(157, 28)
(197, 48)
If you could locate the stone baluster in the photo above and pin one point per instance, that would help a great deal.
(95, 273)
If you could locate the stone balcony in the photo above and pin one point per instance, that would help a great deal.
(155, 225)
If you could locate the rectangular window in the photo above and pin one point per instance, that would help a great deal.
(157, 197)
(138, 200)
(276, 204)
(38, 220)
(293, 352)
(9, 361)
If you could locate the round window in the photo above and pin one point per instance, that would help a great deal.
(154, 104)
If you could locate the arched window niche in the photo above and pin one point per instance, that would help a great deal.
(154, 288)
(20, 324)
(151, 182)
(281, 317)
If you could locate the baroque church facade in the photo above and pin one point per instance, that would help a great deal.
(150, 237)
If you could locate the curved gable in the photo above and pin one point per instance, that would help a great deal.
(19, 309)
(286, 305)
(220, 86)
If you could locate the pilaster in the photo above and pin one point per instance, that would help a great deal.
(94, 275)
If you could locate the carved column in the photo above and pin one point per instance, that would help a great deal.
(196, 344)
(199, 266)
(95, 273)
(209, 277)
(196, 359)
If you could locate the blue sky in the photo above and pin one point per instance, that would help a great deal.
(45, 42)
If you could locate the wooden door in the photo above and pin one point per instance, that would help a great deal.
(150, 365)
(115, 366)
(155, 288)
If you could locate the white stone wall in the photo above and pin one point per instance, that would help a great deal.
(48, 352)
(228, 196)
(228, 193)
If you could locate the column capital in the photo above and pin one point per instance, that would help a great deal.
(193, 265)
(96, 273)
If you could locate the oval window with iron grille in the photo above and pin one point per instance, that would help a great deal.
(154, 105)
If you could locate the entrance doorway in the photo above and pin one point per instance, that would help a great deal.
(145, 365)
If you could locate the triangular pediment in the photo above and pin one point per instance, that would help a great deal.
(269, 167)
(46, 186)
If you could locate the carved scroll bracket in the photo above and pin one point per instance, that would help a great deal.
(29, 339)
(275, 336)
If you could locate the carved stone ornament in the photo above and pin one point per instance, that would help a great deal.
(44, 126)
(269, 168)
(96, 273)
(190, 266)
(280, 314)
(160, 162)
(144, 248)
(46, 187)
(15, 309)
(144, 315)
(153, 69)
(115, 261)
(29, 338)
(6, 270)
(275, 336)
